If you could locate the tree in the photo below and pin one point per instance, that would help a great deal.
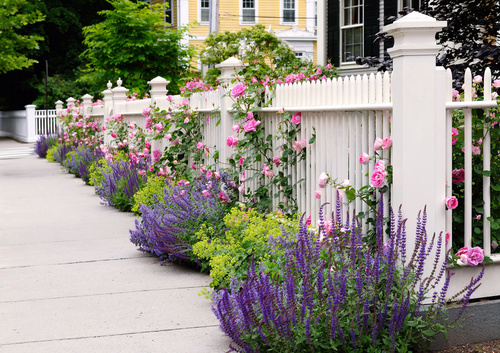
(133, 43)
(248, 44)
(13, 43)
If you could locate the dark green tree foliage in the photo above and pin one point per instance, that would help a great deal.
(133, 43)
(13, 42)
(61, 46)
(249, 44)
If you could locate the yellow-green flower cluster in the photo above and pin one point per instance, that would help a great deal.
(247, 235)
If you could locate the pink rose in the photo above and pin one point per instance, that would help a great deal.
(447, 237)
(317, 194)
(458, 175)
(267, 172)
(200, 145)
(242, 160)
(297, 118)
(364, 158)
(113, 135)
(146, 111)
(477, 79)
(386, 143)
(223, 197)
(323, 179)
(308, 221)
(496, 83)
(249, 116)
(451, 202)
(251, 125)
(299, 145)
(378, 144)
(476, 150)
(377, 178)
(238, 90)
(186, 120)
(168, 136)
(206, 193)
(475, 256)
(232, 141)
(156, 155)
(276, 160)
(236, 127)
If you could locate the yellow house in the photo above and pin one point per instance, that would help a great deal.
(293, 21)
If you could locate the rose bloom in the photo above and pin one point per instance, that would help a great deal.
(297, 118)
(249, 116)
(475, 256)
(232, 141)
(458, 175)
(238, 90)
(451, 202)
(386, 143)
(317, 194)
(276, 160)
(323, 179)
(156, 155)
(200, 145)
(206, 193)
(364, 158)
(299, 145)
(377, 178)
(236, 127)
(251, 125)
(146, 111)
(378, 144)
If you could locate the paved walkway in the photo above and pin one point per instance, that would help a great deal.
(71, 281)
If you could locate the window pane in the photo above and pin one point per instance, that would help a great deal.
(249, 15)
(347, 17)
(288, 15)
(248, 4)
(205, 16)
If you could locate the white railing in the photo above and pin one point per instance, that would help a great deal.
(46, 122)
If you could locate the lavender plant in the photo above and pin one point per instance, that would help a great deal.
(336, 293)
(168, 230)
(44, 143)
(120, 181)
(78, 161)
(61, 150)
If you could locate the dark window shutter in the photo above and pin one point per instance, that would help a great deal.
(333, 32)
(390, 10)
(371, 27)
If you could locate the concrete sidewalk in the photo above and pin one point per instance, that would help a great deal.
(71, 281)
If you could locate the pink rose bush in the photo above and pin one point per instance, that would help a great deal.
(238, 90)
(251, 125)
(232, 141)
(296, 119)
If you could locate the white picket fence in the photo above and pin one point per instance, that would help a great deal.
(413, 105)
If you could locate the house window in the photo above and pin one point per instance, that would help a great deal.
(169, 20)
(411, 4)
(248, 11)
(352, 29)
(289, 8)
(204, 11)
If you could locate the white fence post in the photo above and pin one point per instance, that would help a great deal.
(229, 69)
(158, 89)
(59, 107)
(119, 95)
(418, 123)
(30, 123)
(108, 109)
(86, 104)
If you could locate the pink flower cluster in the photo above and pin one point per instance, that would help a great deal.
(267, 172)
(232, 141)
(379, 175)
(299, 145)
(458, 175)
(382, 143)
(472, 256)
(238, 90)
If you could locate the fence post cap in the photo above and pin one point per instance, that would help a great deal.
(87, 96)
(228, 68)
(30, 106)
(159, 79)
(59, 102)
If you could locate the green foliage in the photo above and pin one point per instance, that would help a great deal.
(133, 43)
(96, 169)
(13, 44)
(150, 194)
(249, 44)
(247, 236)
(50, 153)
(58, 88)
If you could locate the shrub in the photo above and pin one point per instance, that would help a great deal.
(168, 229)
(79, 160)
(150, 194)
(60, 152)
(335, 293)
(246, 236)
(120, 181)
(44, 143)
